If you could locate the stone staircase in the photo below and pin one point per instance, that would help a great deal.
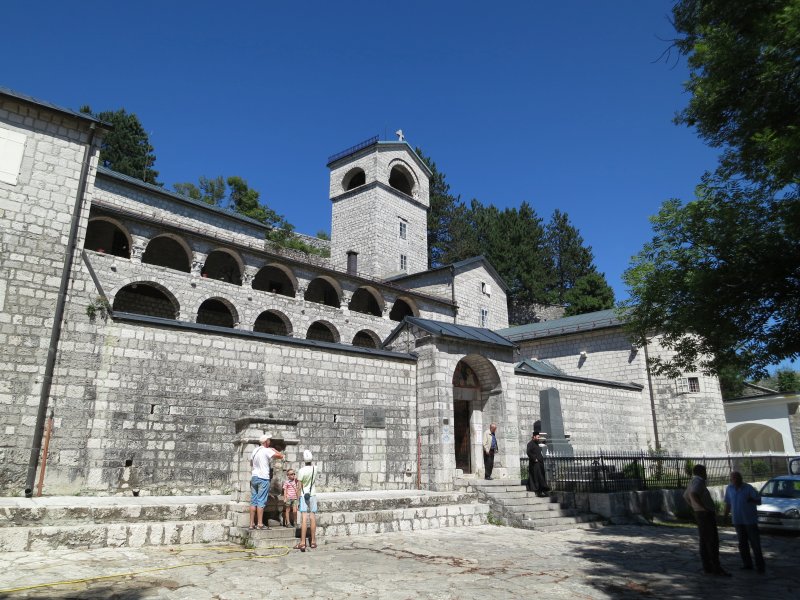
(111, 521)
(514, 505)
(375, 512)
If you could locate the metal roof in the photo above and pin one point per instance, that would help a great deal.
(585, 322)
(542, 368)
(453, 331)
(539, 367)
(4, 91)
(241, 333)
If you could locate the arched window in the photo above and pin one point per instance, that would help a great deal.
(215, 311)
(401, 180)
(322, 331)
(366, 339)
(146, 299)
(402, 309)
(354, 178)
(222, 266)
(103, 235)
(322, 291)
(366, 301)
(275, 279)
(168, 252)
(274, 322)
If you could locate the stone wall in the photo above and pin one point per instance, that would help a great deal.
(597, 417)
(520, 313)
(168, 401)
(35, 216)
(471, 298)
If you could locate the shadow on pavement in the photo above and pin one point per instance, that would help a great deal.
(122, 589)
(661, 562)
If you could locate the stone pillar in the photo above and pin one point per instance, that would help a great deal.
(552, 422)
(138, 246)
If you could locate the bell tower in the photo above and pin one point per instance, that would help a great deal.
(379, 192)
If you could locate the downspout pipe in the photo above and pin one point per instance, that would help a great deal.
(652, 395)
(58, 317)
(453, 291)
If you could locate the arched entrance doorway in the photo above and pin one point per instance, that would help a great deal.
(474, 380)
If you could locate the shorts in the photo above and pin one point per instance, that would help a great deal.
(312, 505)
(259, 489)
(290, 502)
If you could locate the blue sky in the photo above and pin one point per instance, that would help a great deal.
(561, 104)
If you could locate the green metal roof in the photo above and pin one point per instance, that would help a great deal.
(586, 322)
(539, 367)
(453, 331)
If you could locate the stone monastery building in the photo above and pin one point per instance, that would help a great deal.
(164, 335)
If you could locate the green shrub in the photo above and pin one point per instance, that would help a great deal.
(633, 470)
(688, 467)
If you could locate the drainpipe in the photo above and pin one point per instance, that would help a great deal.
(453, 292)
(58, 317)
(652, 396)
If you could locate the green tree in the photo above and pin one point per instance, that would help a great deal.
(725, 268)
(744, 60)
(571, 259)
(126, 148)
(787, 381)
(590, 293)
(443, 216)
(210, 191)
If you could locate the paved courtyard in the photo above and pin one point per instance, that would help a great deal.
(457, 563)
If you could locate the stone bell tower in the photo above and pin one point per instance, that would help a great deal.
(379, 192)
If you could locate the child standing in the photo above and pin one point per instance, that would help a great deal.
(290, 499)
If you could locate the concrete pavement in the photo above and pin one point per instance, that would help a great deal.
(455, 563)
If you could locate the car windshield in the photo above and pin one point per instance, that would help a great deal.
(781, 488)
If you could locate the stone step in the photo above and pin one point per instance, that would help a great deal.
(559, 521)
(61, 511)
(112, 535)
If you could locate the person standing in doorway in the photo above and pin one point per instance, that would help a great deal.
(261, 462)
(307, 477)
(742, 498)
(705, 513)
(490, 448)
(536, 474)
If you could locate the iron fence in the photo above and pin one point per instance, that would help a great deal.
(626, 471)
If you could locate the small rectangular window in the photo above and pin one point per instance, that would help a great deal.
(403, 229)
(688, 385)
(12, 149)
(484, 317)
(403, 262)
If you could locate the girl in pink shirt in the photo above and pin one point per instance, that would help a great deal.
(290, 498)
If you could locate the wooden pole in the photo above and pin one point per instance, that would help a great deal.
(47, 433)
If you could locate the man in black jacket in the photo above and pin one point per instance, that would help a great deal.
(536, 475)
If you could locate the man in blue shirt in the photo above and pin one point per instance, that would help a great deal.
(742, 499)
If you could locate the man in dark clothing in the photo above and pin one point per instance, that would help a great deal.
(536, 475)
(699, 499)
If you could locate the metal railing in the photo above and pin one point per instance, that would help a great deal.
(352, 149)
(627, 471)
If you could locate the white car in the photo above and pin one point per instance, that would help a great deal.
(780, 504)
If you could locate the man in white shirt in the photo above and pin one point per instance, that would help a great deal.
(261, 461)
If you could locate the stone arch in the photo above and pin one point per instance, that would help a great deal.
(146, 298)
(224, 265)
(755, 437)
(217, 311)
(277, 279)
(475, 379)
(108, 236)
(323, 331)
(273, 322)
(366, 339)
(354, 178)
(402, 308)
(367, 300)
(402, 178)
(170, 251)
(324, 290)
